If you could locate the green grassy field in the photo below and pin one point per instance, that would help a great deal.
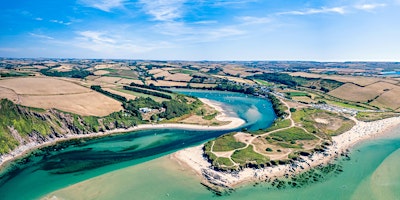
(278, 124)
(292, 134)
(264, 83)
(248, 155)
(373, 116)
(297, 94)
(227, 143)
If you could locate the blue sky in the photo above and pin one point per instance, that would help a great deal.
(323, 30)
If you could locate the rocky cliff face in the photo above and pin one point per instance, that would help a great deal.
(21, 125)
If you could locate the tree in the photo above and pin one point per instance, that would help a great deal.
(154, 117)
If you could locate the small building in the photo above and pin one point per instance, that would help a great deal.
(145, 110)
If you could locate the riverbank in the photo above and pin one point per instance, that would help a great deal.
(193, 158)
(234, 122)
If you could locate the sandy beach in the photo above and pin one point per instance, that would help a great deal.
(234, 122)
(194, 160)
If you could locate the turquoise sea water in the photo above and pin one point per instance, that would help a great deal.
(67, 163)
(370, 173)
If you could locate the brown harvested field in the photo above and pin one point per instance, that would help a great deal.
(165, 83)
(305, 74)
(236, 79)
(353, 92)
(103, 66)
(64, 95)
(42, 86)
(178, 77)
(91, 103)
(155, 71)
(169, 68)
(359, 80)
(161, 74)
(126, 81)
(126, 95)
(201, 85)
(63, 68)
(106, 79)
(390, 99)
(101, 72)
(236, 71)
(6, 93)
(91, 77)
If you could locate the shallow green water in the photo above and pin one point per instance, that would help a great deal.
(68, 163)
(161, 179)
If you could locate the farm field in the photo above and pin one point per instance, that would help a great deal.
(359, 80)
(356, 93)
(390, 99)
(56, 93)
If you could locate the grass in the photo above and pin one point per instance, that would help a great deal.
(210, 117)
(248, 155)
(373, 116)
(297, 94)
(346, 105)
(227, 143)
(293, 134)
(289, 145)
(264, 83)
(278, 125)
(222, 161)
(346, 126)
(303, 116)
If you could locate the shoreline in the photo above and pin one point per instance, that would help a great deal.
(23, 150)
(217, 180)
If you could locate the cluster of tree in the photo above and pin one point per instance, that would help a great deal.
(284, 79)
(74, 73)
(234, 88)
(144, 91)
(151, 86)
(132, 106)
(277, 106)
(13, 74)
(174, 108)
(112, 95)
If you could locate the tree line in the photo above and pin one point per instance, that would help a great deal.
(151, 86)
(107, 93)
(149, 92)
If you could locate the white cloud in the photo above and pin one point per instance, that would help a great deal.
(104, 5)
(96, 37)
(163, 10)
(206, 22)
(312, 11)
(38, 19)
(41, 36)
(254, 20)
(112, 44)
(369, 7)
(60, 22)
